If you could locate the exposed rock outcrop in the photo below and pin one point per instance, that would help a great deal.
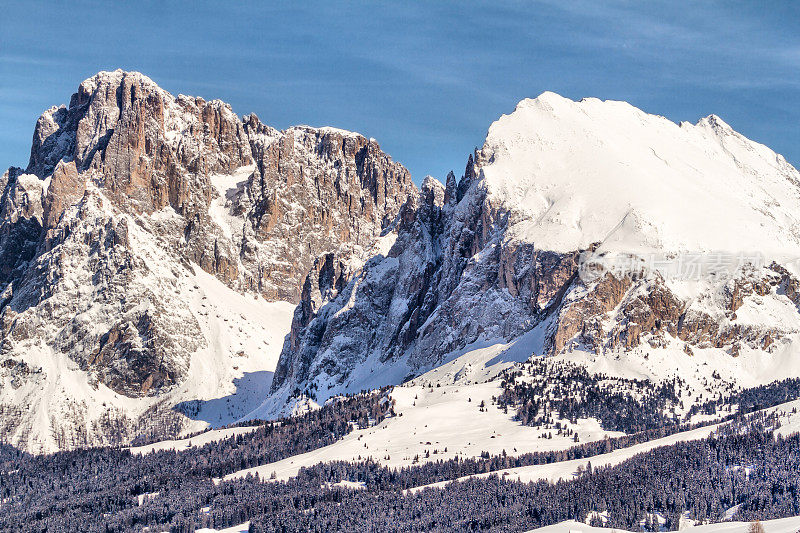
(129, 188)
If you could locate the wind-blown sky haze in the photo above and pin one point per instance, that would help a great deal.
(425, 79)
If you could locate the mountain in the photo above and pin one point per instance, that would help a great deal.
(152, 252)
(587, 230)
(603, 293)
(161, 257)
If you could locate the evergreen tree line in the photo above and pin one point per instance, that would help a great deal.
(545, 393)
(99, 490)
(97, 482)
(755, 469)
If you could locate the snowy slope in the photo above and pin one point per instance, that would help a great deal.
(245, 333)
(566, 470)
(782, 525)
(444, 421)
(750, 368)
(578, 173)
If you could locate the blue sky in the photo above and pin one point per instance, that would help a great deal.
(425, 79)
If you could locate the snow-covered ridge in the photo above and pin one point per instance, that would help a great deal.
(578, 173)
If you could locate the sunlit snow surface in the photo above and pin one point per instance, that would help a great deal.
(246, 334)
(578, 173)
(440, 411)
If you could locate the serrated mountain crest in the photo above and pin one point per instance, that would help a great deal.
(130, 196)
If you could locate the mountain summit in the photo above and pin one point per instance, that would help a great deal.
(703, 221)
(579, 173)
(141, 248)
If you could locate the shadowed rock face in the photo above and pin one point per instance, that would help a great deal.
(20, 226)
(130, 186)
(447, 280)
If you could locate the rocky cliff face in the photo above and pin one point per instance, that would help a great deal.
(129, 194)
(146, 150)
(502, 251)
(312, 190)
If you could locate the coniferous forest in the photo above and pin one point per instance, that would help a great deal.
(743, 464)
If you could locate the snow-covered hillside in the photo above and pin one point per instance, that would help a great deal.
(573, 174)
(436, 422)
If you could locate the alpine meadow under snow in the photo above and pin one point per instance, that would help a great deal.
(210, 323)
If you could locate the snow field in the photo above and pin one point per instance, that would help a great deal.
(566, 470)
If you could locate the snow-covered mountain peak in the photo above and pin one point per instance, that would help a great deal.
(431, 183)
(550, 102)
(575, 173)
(714, 121)
(130, 196)
(114, 77)
(498, 257)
